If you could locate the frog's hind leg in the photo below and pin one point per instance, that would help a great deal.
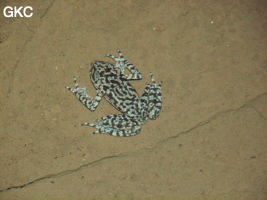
(151, 99)
(122, 63)
(116, 125)
(84, 98)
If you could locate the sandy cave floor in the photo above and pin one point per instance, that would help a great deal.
(210, 139)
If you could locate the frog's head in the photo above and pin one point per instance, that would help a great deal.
(100, 70)
(97, 71)
(98, 66)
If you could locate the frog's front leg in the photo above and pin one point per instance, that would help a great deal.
(84, 98)
(122, 63)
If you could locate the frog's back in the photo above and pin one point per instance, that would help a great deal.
(117, 91)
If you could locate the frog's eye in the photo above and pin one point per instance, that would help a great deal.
(107, 69)
(96, 76)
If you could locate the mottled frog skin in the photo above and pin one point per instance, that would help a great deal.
(112, 83)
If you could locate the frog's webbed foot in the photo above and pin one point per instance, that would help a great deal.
(115, 125)
(92, 125)
(118, 59)
(76, 89)
(84, 98)
(123, 64)
(151, 99)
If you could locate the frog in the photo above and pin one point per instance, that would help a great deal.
(112, 83)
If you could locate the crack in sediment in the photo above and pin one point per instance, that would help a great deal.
(21, 54)
(14, 69)
(62, 173)
(200, 124)
(47, 9)
(259, 113)
(216, 116)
